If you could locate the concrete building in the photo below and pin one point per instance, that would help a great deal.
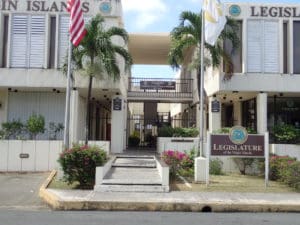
(263, 91)
(264, 88)
(33, 47)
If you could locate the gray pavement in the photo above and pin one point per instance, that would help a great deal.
(20, 190)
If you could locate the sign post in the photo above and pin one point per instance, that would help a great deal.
(266, 159)
(207, 157)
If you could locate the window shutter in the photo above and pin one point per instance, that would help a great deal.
(37, 42)
(271, 47)
(63, 39)
(19, 41)
(254, 46)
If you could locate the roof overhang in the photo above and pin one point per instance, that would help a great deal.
(149, 48)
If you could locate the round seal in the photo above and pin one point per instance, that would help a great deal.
(238, 135)
(105, 7)
(235, 10)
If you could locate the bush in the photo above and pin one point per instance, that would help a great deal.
(176, 161)
(35, 125)
(285, 169)
(215, 167)
(243, 164)
(166, 131)
(292, 175)
(134, 139)
(79, 164)
(12, 130)
(278, 167)
(285, 133)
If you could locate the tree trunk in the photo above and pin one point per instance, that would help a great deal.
(87, 118)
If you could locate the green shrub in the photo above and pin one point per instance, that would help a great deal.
(35, 125)
(292, 175)
(215, 167)
(278, 167)
(243, 164)
(166, 131)
(79, 164)
(12, 129)
(285, 133)
(223, 130)
(177, 161)
(55, 129)
(134, 139)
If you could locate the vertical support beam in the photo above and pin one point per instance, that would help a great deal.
(266, 159)
(118, 123)
(262, 104)
(215, 118)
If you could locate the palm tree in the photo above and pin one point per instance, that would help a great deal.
(187, 36)
(97, 55)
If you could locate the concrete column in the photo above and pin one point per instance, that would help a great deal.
(215, 119)
(118, 124)
(237, 113)
(262, 105)
(74, 116)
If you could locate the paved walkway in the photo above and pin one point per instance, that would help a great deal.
(20, 190)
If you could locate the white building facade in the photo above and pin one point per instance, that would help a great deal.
(264, 89)
(33, 47)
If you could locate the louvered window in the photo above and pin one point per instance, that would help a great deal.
(263, 46)
(27, 41)
(63, 39)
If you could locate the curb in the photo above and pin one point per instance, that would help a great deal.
(51, 199)
(56, 203)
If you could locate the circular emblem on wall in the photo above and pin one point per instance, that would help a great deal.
(235, 10)
(238, 135)
(105, 7)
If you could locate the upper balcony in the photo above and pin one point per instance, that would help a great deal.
(160, 89)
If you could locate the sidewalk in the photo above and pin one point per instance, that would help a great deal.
(173, 201)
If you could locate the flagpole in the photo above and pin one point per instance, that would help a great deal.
(201, 80)
(68, 95)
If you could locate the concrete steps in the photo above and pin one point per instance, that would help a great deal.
(133, 174)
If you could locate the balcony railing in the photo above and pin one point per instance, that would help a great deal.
(160, 88)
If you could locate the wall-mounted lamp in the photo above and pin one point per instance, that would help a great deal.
(240, 98)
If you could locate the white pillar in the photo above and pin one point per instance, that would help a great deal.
(215, 118)
(261, 105)
(118, 124)
(237, 113)
(73, 131)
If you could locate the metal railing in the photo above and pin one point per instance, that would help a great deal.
(160, 88)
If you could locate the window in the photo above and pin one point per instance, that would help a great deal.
(63, 39)
(51, 60)
(4, 45)
(236, 54)
(285, 48)
(28, 41)
(263, 46)
(296, 37)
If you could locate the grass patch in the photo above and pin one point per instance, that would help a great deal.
(60, 184)
(232, 183)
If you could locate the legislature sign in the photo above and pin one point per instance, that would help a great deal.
(238, 143)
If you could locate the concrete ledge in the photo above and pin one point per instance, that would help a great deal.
(51, 199)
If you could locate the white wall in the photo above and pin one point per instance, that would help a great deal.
(43, 155)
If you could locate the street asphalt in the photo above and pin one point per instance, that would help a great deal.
(20, 191)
